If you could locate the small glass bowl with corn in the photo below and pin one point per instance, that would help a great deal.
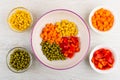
(20, 19)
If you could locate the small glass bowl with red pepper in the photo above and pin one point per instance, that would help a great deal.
(103, 59)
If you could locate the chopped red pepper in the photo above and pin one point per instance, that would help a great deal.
(103, 59)
(69, 46)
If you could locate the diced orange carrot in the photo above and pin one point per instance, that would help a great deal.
(102, 18)
(50, 34)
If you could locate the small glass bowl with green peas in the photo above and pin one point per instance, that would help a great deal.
(19, 59)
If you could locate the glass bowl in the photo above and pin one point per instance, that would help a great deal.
(8, 59)
(13, 11)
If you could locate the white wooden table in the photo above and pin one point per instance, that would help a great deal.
(83, 71)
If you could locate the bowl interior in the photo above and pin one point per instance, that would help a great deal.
(114, 55)
(55, 16)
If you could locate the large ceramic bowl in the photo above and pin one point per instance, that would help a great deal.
(52, 17)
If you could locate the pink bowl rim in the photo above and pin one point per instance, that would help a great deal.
(87, 47)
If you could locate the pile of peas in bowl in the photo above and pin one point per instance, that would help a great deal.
(19, 59)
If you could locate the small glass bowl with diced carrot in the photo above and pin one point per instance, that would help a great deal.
(103, 59)
(102, 19)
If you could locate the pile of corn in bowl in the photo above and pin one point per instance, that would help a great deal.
(20, 19)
